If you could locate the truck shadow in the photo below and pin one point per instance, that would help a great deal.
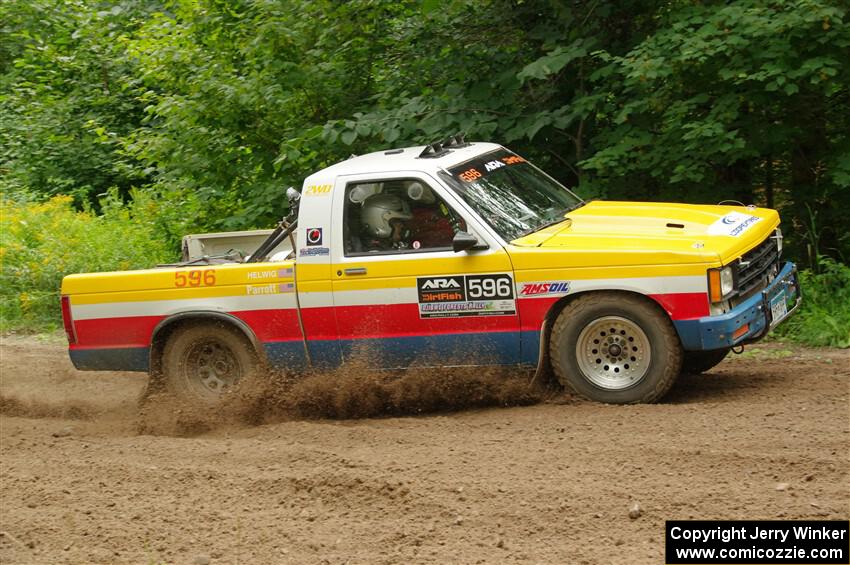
(716, 386)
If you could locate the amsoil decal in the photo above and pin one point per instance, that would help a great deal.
(733, 224)
(466, 295)
(314, 236)
(544, 288)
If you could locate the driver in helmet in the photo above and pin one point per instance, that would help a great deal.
(432, 225)
(385, 219)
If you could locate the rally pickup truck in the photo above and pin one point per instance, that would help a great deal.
(448, 255)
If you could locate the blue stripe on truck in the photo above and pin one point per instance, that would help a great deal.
(492, 348)
(486, 348)
(112, 359)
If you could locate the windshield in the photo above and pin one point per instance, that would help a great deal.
(512, 195)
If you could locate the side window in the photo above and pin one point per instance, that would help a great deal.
(395, 216)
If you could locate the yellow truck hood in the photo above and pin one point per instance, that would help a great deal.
(657, 233)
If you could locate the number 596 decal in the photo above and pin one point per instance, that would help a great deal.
(489, 287)
(194, 278)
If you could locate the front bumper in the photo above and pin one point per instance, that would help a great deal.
(747, 322)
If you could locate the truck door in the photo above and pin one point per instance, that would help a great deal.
(402, 296)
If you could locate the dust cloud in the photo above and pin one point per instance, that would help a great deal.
(340, 395)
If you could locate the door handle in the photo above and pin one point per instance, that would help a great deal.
(356, 271)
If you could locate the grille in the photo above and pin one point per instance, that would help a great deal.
(757, 267)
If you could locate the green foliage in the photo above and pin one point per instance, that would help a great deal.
(215, 107)
(205, 110)
(824, 315)
(42, 242)
(237, 94)
(68, 97)
(747, 100)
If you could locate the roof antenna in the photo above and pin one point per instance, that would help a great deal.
(456, 140)
(433, 150)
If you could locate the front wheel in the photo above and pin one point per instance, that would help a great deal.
(203, 362)
(615, 348)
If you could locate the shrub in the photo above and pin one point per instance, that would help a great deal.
(824, 316)
(40, 242)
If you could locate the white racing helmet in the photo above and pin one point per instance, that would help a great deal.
(381, 209)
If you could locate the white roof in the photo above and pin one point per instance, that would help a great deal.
(406, 159)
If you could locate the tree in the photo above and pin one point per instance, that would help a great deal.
(68, 98)
(745, 101)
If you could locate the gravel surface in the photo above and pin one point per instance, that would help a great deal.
(88, 477)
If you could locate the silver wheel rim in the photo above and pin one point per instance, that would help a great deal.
(613, 353)
(212, 368)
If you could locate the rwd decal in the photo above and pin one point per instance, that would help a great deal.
(466, 295)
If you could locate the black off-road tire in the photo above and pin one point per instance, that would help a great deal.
(644, 374)
(696, 362)
(202, 363)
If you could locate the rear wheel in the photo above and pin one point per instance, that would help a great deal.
(204, 362)
(615, 348)
(696, 362)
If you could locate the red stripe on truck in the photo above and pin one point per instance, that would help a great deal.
(68, 320)
(355, 322)
(398, 320)
(684, 305)
(272, 325)
(133, 331)
(136, 331)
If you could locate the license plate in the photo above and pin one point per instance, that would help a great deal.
(778, 307)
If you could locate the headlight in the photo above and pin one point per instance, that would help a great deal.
(721, 283)
(727, 281)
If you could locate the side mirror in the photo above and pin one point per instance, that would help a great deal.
(293, 196)
(463, 241)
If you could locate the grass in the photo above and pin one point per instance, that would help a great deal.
(756, 352)
(824, 316)
(41, 242)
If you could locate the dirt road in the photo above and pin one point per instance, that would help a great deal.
(86, 478)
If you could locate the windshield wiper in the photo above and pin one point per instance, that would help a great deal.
(575, 206)
(560, 218)
(542, 226)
